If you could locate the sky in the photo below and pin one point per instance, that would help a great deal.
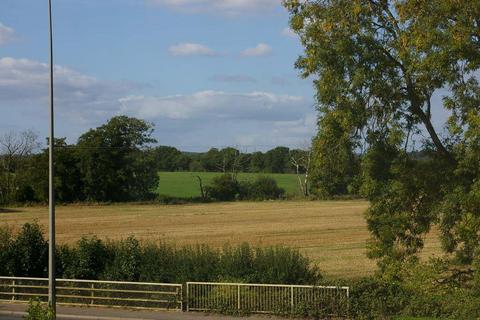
(207, 73)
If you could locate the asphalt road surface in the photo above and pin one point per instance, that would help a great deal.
(15, 311)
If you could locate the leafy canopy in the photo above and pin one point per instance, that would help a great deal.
(377, 67)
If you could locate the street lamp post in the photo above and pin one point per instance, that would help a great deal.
(51, 190)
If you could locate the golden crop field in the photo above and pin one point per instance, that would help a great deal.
(332, 233)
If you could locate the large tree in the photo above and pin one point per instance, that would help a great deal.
(378, 65)
(113, 163)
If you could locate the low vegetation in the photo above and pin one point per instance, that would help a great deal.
(332, 234)
(25, 255)
(417, 289)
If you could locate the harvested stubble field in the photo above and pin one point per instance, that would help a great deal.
(332, 233)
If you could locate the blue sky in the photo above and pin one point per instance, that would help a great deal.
(206, 72)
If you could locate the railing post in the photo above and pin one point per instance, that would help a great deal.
(92, 294)
(291, 299)
(13, 290)
(180, 294)
(187, 297)
(238, 297)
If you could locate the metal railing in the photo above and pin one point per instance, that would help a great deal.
(95, 293)
(267, 298)
(199, 296)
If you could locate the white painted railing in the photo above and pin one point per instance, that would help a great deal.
(95, 293)
(200, 296)
(267, 298)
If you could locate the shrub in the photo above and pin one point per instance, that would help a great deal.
(6, 250)
(125, 264)
(130, 260)
(87, 260)
(265, 188)
(37, 311)
(223, 188)
(375, 298)
(30, 252)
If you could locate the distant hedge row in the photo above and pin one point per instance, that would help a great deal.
(226, 188)
(25, 254)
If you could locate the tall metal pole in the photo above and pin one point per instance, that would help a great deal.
(51, 190)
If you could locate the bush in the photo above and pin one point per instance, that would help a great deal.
(130, 260)
(87, 260)
(6, 250)
(37, 311)
(223, 188)
(375, 298)
(265, 188)
(125, 264)
(29, 253)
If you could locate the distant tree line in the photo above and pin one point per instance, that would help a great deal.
(118, 162)
(226, 160)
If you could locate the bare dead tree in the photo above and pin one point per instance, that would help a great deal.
(232, 161)
(301, 161)
(14, 147)
(203, 192)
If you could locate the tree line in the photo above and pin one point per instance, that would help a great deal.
(118, 162)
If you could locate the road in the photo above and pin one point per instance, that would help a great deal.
(15, 311)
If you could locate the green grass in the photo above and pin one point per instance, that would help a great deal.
(184, 184)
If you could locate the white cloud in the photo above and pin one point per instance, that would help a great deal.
(197, 120)
(24, 80)
(6, 34)
(258, 106)
(288, 32)
(230, 7)
(260, 50)
(191, 49)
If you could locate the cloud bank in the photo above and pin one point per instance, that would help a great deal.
(193, 121)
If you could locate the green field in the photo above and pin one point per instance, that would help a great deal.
(184, 184)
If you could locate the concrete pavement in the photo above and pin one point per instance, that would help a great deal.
(15, 311)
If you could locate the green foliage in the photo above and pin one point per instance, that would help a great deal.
(334, 165)
(262, 188)
(112, 164)
(29, 252)
(6, 250)
(24, 254)
(435, 289)
(130, 260)
(227, 188)
(87, 260)
(170, 159)
(223, 188)
(378, 65)
(277, 160)
(39, 311)
(373, 298)
(126, 261)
